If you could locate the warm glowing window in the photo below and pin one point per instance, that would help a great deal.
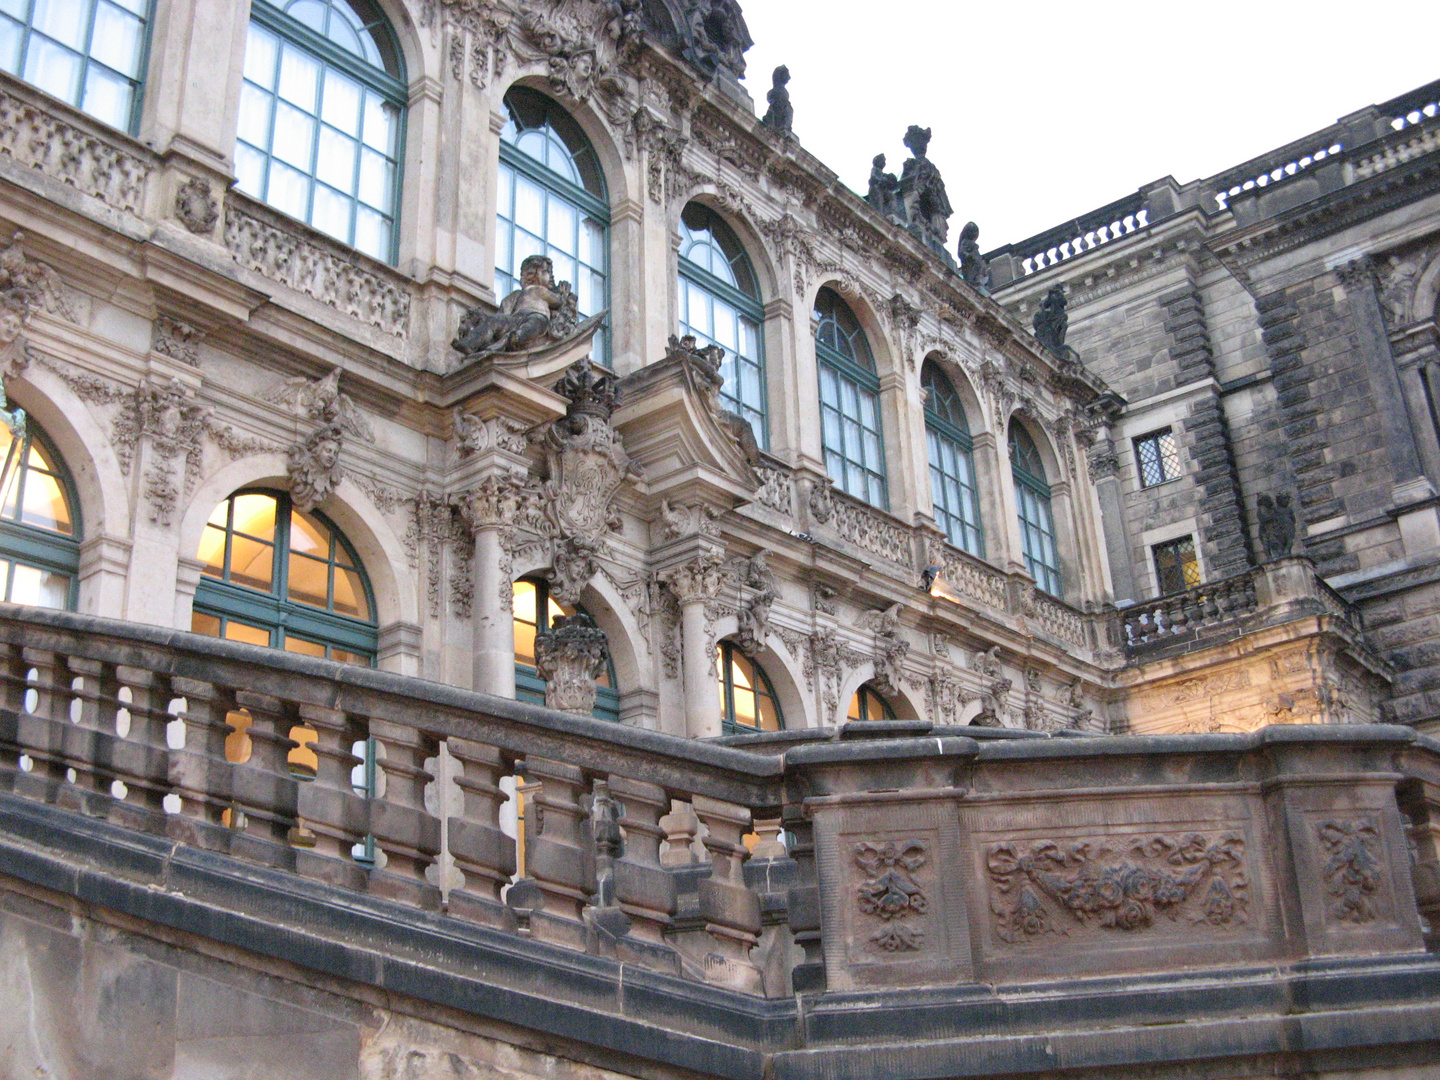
(39, 521)
(276, 576)
(867, 704)
(747, 701)
(1176, 568)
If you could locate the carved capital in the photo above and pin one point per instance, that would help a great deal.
(698, 580)
(1357, 273)
(495, 503)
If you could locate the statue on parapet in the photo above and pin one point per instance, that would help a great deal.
(1277, 525)
(927, 207)
(780, 116)
(538, 313)
(1051, 322)
(719, 37)
(974, 271)
(884, 193)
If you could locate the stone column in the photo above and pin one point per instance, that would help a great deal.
(695, 584)
(489, 510)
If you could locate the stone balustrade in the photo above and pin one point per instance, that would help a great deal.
(962, 857)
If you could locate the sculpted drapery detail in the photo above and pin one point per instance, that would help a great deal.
(1110, 883)
(890, 892)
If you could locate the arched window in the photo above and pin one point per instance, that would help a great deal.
(39, 521)
(849, 402)
(535, 610)
(87, 53)
(1032, 501)
(952, 467)
(322, 118)
(720, 303)
(747, 700)
(274, 575)
(867, 704)
(552, 202)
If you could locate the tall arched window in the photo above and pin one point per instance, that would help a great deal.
(1032, 500)
(274, 575)
(867, 704)
(87, 53)
(535, 610)
(849, 402)
(322, 118)
(952, 467)
(39, 522)
(720, 303)
(552, 202)
(747, 700)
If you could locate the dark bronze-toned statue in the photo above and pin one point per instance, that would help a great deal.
(781, 113)
(927, 207)
(1277, 525)
(884, 193)
(538, 310)
(1051, 322)
(973, 268)
(719, 37)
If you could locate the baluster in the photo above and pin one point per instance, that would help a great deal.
(12, 703)
(407, 832)
(555, 857)
(482, 852)
(198, 771)
(730, 910)
(333, 818)
(644, 889)
(263, 788)
(86, 754)
(40, 728)
(809, 975)
(140, 756)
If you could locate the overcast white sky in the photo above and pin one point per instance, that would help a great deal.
(1042, 110)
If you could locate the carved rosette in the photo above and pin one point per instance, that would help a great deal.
(1127, 885)
(891, 894)
(570, 656)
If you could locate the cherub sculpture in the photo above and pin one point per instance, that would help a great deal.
(536, 310)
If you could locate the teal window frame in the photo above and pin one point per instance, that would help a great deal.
(848, 384)
(388, 84)
(953, 490)
(1157, 459)
(530, 687)
(725, 298)
(729, 725)
(586, 203)
(30, 545)
(870, 700)
(274, 611)
(1032, 507)
(26, 34)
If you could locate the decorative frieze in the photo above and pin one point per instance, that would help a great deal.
(37, 138)
(865, 527)
(332, 275)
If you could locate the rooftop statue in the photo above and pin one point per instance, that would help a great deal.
(927, 207)
(535, 316)
(781, 114)
(718, 37)
(1051, 322)
(973, 269)
(884, 193)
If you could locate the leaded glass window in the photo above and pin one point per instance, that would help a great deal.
(720, 304)
(747, 700)
(1157, 457)
(867, 704)
(88, 53)
(39, 521)
(952, 466)
(1032, 499)
(552, 202)
(849, 402)
(278, 576)
(322, 110)
(535, 609)
(1176, 567)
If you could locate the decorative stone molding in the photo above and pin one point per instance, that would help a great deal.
(866, 528)
(753, 616)
(995, 688)
(889, 649)
(175, 339)
(334, 276)
(694, 519)
(37, 138)
(968, 576)
(891, 893)
(1123, 884)
(776, 490)
(700, 579)
(474, 436)
(314, 465)
(324, 401)
(1352, 871)
(570, 656)
(195, 206)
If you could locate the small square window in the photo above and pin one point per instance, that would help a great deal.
(1158, 459)
(1176, 568)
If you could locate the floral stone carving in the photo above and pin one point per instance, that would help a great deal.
(570, 656)
(891, 893)
(1352, 871)
(195, 206)
(1048, 886)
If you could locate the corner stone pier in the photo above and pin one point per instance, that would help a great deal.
(223, 861)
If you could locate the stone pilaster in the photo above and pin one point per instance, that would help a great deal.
(490, 510)
(695, 584)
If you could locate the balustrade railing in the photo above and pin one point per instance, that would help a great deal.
(866, 527)
(1168, 617)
